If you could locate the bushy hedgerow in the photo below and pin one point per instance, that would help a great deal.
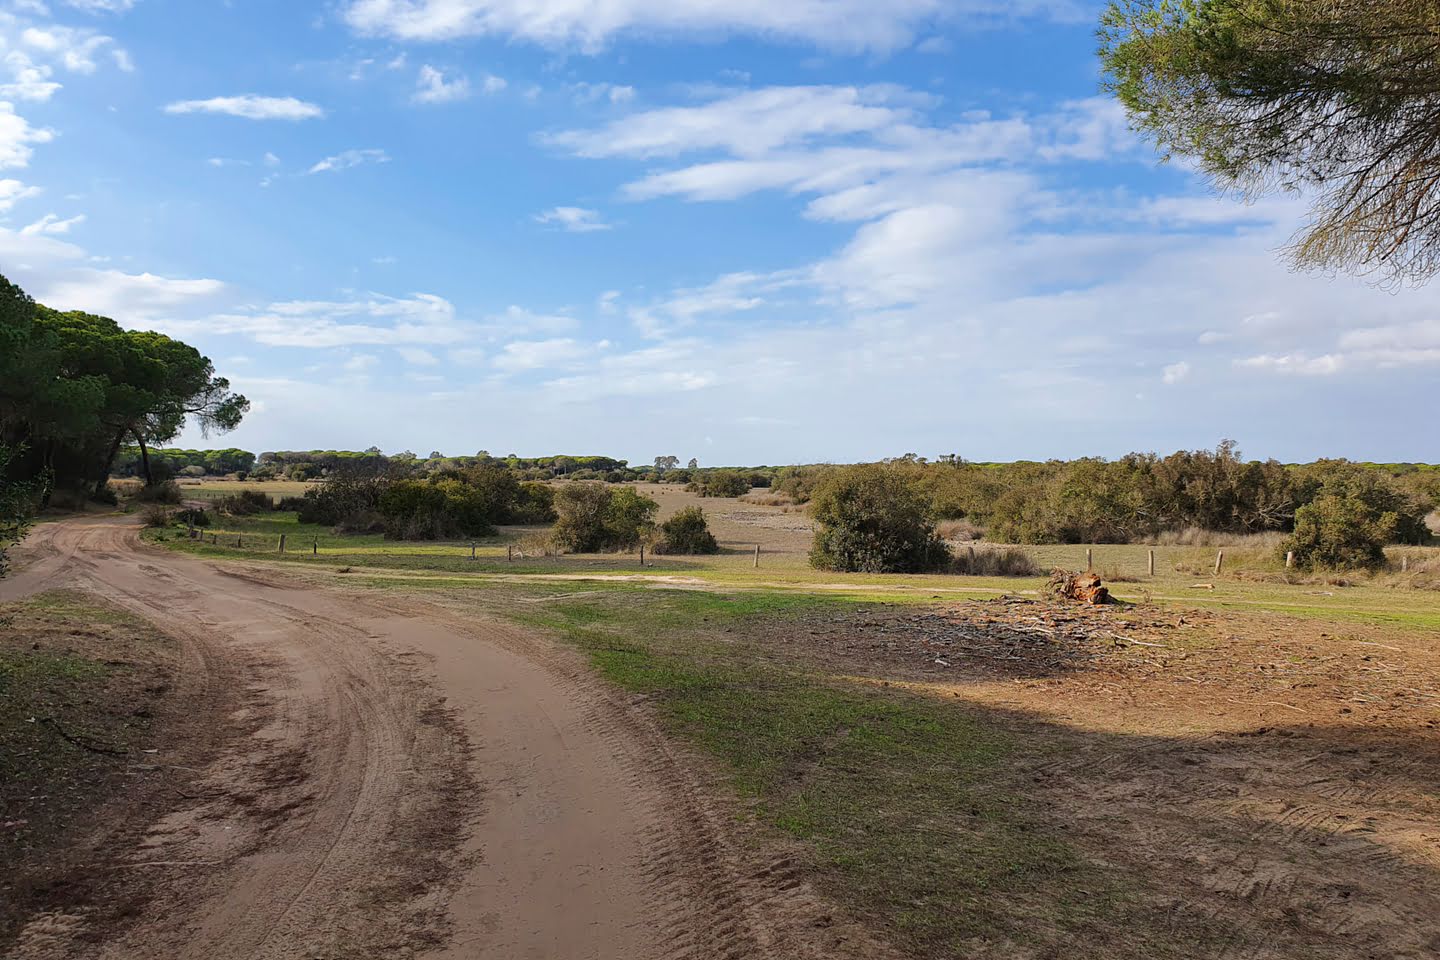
(720, 483)
(1340, 533)
(592, 516)
(534, 504)
(870, 519)
(688, 532)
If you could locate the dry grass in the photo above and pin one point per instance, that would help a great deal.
(1199, 537)
(994, 562)
(960, 530)
(765, 498)
(127, 487)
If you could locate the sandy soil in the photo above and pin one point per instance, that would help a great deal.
(1275, 781)
(386, 779)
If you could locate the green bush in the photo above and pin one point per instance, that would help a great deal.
(870, 519)
(720, 483)
(193, 518)
(1341, 533)
(687, 532)
(534, 504)
(167, 492)
(592, 516)
(245, 503)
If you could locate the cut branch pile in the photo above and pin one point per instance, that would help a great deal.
(1079, 587)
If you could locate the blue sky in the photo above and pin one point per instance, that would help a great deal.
(744, 231)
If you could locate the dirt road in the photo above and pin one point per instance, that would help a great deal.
(387, 780)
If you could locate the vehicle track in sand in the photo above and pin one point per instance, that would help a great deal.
(388, 779)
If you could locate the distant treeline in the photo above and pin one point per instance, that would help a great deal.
(173, 462)
(1141, 496)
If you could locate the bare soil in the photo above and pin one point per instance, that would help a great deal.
(1272, 783)
(372, 776)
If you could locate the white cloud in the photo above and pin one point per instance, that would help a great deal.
(1175, 372)
(1294, 363)
(129, 298)
(573, 219)
(13, 191)
(432, 87)
(518, 321)
(850, 25)
(52, 224)
(378, 321)
(524, 355)
(418, 356)
(493, 84)
(349, 159)
(17, 136)
(250, 107)
(102, 6)
(361, 362)
(270, 160)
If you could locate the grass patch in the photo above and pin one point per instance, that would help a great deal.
(79, 684)
(912, 809)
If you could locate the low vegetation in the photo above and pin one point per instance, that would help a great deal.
(687, 532)
(869, 519)
(592, 517)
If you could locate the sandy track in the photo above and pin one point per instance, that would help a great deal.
(391, 781)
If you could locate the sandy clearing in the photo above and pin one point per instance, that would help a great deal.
(394, 781)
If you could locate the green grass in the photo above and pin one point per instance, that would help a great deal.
(912, 810)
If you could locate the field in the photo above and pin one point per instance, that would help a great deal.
(1247, 770)
(1224, 764)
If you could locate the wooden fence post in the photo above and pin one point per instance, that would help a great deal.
(1152, 563)
(509, 553)
(282, 543)
(1089, 559)
(757, 556)
(472, 551)
(239, 540)
(1219, 560)
(1289, 559)
(315, 548)
(642, 554)
(1404, 564)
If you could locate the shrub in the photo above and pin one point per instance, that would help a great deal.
(592, 516)
(721, 483)
(349, 498)
(534, 503)
(106, 495)
(290, 504)
(166, 492)
(245, 503)
(193, 518)
(156, 515)
(192, 471)
(870, 519)
(1342, 533)
(437, 510)
(959, 530)
(687, 532)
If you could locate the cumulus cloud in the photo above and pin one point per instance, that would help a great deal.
(1175, 372)
(13, 191)
(250, 107)
(432, 86)
(17, 137)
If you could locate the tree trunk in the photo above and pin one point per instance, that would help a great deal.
(144, 459)
(109, 462)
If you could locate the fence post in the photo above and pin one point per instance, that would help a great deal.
(642, 554)
(282, 543)
(1152, 563)
(315, 548)
(215, 539)
(1219, 560)
(757, 556)
(1089, 559)
(509, 553)
(472, 551)
(239, 541)
(1289, 559)
(1404, 564)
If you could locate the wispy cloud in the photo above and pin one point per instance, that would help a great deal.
(573, 219)
(348, 159)
(250, 107)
